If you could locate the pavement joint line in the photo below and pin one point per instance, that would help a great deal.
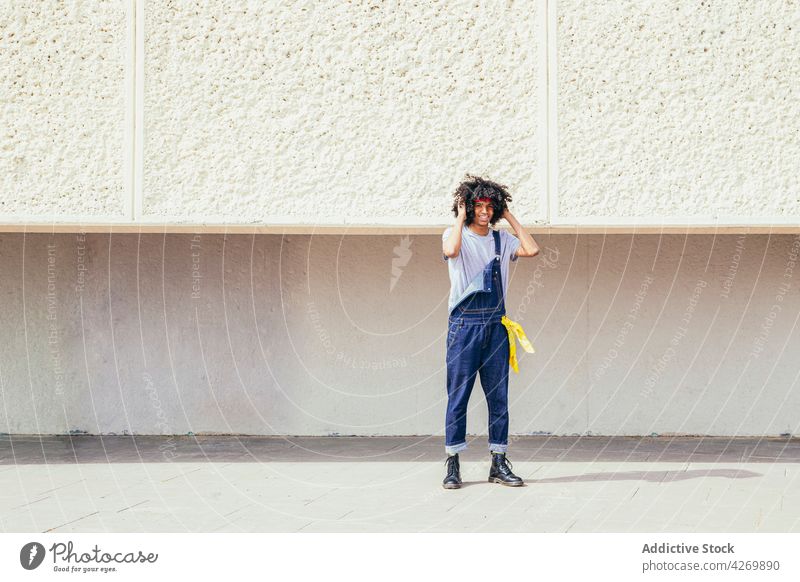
(182, 474)
(73, 521)
(238, 509)
(61, 486)
(320, 496)
(134, 505)
(31, 502)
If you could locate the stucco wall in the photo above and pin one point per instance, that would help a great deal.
(65, 110)
(345, 335)
(331, 112)
(364, 113)
(678, 109)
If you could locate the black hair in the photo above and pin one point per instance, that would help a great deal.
(476, 187)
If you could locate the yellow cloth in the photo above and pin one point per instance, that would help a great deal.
(514, 328)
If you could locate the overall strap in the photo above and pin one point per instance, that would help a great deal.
(496, 245)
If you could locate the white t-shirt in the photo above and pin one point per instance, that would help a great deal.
(476, 252)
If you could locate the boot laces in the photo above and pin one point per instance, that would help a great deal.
(452, 465)
(504, 465)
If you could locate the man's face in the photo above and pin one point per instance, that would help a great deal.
(483, 213)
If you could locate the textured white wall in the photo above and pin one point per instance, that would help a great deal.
(64, 114)
(678, 109)
(365, 113)
(331, 112)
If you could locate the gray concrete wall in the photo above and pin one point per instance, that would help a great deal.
(323, 335)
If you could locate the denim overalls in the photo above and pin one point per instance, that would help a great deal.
(477, 342)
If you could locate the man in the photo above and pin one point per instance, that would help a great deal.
(478, 332)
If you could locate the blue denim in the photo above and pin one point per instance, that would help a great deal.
(477, 343)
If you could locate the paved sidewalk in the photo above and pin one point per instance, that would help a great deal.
(365, 484)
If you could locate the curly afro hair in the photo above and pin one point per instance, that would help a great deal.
(476, 187)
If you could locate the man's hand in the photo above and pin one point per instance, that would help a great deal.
(462, 211)
(452, 246)
(528, 246)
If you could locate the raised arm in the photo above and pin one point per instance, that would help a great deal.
(528, 246)
(452, 246)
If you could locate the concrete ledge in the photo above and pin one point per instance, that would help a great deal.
(362, 229)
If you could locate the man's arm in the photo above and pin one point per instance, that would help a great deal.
(528, 246)
(452, 246)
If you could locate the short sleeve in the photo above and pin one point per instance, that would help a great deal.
(444, 238)
(512, 244)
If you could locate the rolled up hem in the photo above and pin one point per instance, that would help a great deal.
(498, 448)
(453, 449)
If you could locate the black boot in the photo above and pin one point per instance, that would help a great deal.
(453, 478)
(501, 471)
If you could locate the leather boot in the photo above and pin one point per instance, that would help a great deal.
(501, 471)
(453, 478)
